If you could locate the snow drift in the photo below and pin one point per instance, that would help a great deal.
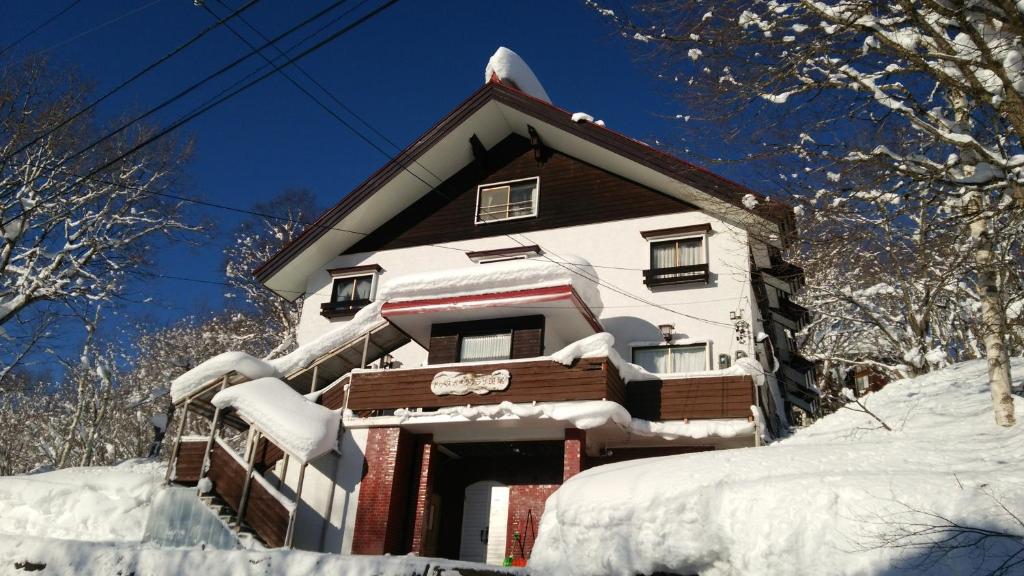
(821, 502)
(510, 67)
(298, 426)
(99, 503)
(498, 277)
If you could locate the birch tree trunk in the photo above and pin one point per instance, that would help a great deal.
(993, 315)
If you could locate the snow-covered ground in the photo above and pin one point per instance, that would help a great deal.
(822, 502)
(101, 503)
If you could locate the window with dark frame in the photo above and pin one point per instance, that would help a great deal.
(672, 359)
(349, 294)
(677, 261)
(507, 200)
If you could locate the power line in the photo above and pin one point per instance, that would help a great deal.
(180, 48)
(616, 289)
(210, 105)
(101, 26)
(181, 94)
(316, 83)
(42, 25)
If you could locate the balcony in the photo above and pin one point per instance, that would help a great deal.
(697, 273)
(540, 380)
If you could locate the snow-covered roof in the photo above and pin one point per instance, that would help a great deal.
(301, 428)
(494, 112)
(497, 277)
(509, 67)
(221, 364)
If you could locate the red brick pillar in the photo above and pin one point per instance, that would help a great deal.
(575, 452)
(383, 491)
(425, 484)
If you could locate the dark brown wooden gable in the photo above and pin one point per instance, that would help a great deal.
(572, 193)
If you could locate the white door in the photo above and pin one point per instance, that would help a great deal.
(484, 522)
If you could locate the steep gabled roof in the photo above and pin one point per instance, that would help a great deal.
(491, 113)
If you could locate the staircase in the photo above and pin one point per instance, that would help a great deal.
(267, 512)
(267, 516)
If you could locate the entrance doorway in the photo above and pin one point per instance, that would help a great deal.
(484, 522)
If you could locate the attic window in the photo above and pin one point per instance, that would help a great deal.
(509, 200)
(351, 290)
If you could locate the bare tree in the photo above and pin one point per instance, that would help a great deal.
(255, 242)
(840, 81)
(73, 221)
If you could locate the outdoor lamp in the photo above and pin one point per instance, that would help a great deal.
(666, 331)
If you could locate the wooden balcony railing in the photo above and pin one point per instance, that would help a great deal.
(677, 275)
(691, 398)
(539, 380)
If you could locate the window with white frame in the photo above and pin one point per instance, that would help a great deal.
(507, 200)
(484, 347)
(672, 359)
(678, 260)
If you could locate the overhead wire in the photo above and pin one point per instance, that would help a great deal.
(142, 72)
(39, 27)
(210, 105)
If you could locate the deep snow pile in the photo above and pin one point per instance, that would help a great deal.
(215, 367)
(100, 503)
(498, 277)
(301, 428)
(582, 414)
(510, 67)
(818, 503)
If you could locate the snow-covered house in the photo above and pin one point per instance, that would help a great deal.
(521, 294)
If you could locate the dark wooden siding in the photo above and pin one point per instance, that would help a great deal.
(527, 337)
(572, 193)
(541, 381)
(443, 349)
(691, 398)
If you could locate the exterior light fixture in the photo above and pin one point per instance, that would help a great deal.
(666, 331)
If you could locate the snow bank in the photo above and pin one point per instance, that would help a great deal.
(299, 427)
(304, 355)
(215, 367)
(510, 67)
(95, 559)
(582, 414)
(696, 429)
(498, 277)
(99, 503)
(817, 503)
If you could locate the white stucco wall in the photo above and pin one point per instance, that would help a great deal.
(619, 253)
(324, 524)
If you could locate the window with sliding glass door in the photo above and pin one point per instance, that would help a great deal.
(507, 200)
(681, 260)
(672, 359)
(350, 292)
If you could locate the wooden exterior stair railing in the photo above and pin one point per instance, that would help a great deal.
(267, 512)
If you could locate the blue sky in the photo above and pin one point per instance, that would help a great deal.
(402, 72)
